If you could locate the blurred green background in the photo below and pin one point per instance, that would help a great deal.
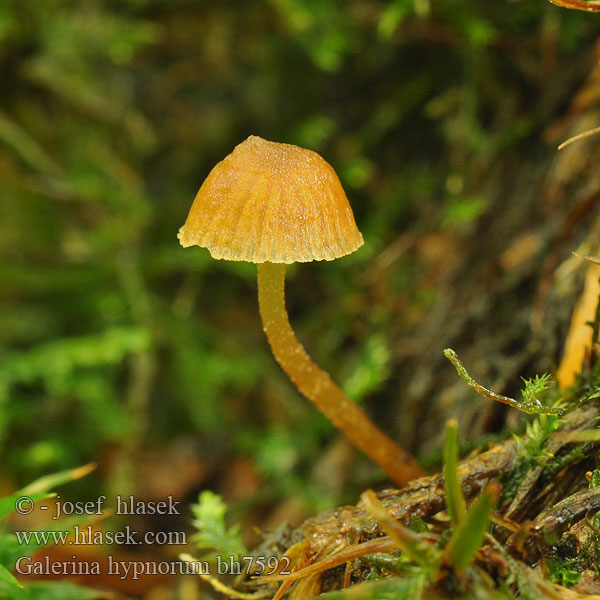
(118, 346)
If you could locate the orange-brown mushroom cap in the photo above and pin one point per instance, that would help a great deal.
(272, 202)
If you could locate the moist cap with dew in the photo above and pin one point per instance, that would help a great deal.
(272, 202)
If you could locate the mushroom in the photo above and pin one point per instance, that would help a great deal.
(274, 204)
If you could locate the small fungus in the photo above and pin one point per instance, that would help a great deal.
(274, 204)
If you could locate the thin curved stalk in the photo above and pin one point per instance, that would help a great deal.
(318, 386)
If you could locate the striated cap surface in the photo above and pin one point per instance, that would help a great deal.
(272, 202)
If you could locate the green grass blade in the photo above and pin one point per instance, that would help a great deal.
(469, 534)
(46, 483)
(455, 500)
(8, 577)
(414, 545)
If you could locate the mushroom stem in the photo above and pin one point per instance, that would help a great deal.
(318, 386)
